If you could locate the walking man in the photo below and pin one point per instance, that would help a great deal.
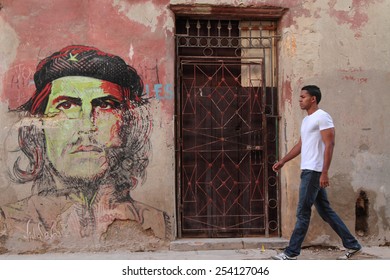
(316, 148)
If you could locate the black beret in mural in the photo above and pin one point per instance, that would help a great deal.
(77, 60)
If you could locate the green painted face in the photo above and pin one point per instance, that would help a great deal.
(83, 118)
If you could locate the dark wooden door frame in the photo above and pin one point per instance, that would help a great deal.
(199, 12)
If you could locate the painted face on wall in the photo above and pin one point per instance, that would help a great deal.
(83, 119)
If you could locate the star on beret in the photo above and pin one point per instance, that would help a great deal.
(73, 58)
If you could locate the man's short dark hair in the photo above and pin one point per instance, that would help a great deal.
(313, 91)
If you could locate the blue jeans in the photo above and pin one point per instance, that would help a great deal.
(311, 193)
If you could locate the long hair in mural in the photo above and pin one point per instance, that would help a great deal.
(83, 144)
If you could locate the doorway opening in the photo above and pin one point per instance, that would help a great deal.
(227, 128)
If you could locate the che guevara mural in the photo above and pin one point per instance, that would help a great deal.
(82, 144)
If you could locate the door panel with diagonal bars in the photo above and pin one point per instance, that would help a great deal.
(224, 156)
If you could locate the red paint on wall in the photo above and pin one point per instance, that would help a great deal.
(356, 17)
(353, 74)
(351, 70)
(287, 92)
(355, 79)
(45, 26)
(295, 11)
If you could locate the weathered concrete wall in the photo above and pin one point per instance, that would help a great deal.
(339, 45)
(342, 47)
(139, 32)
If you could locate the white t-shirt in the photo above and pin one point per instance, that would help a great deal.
(312, 149)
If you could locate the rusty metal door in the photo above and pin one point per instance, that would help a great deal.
(226, 134)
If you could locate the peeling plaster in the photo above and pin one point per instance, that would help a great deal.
(8, 49)
(287, 91)
(136, 12)
(345, 5)
(169, 23)
(301, 47)
(351, 12)
(289, 44)
(298, 10)
(131, 52)
(371, 173)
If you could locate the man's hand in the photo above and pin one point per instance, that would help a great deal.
(277, 166)
(324, 180)
(295, 151)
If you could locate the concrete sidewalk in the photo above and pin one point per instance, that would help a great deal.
(369, 253)
(213, 249)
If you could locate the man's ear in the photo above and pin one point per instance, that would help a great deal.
(313, 99)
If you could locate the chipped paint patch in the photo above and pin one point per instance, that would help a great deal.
(290, 45)
(9, 45)
(352, 13)
(137, 12)
(287, 91)
(131, 52)
(370, 170)
(370, 173)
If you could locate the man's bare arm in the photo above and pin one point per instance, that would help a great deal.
(294, 152)
(328, 137)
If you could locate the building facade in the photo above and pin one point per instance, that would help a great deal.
(129, 124)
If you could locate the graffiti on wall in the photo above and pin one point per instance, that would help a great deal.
(83, 145)
(159, 91)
